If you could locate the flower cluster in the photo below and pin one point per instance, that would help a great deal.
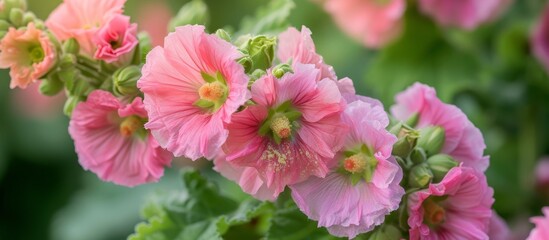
(267, 110)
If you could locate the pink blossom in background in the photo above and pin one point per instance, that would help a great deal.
(542, 173)
(467, 14)
(28, 53)
(111, 142)
(498, 228)
(348, 209)
(305, 118)
(153, 17)
(30, 102)
(81, 19)
(459, 207)
(116, 41)
(464, 142)
(540, 39)
(541, 230)
(192, 86)
(372, 22)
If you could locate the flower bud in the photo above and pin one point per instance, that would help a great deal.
(16, 17)
(125, 81)
(420, 176)
(431, 139)
(386, 232)
(406, 142)
(418, 155)
(280, 70)
(70, 104)
(8, 5)
(4, 25)
(145, 45)
(77, 85)
(71, 46)
(258, 73)
(261, 51)
(413, 120)
(28, 17)
(440, 164)
(223, 35)
(51, 85)
(194, 12)
(246, 62)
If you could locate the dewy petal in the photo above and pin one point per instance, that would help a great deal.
(171, 79)
(127, 161)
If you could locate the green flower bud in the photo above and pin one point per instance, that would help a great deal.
(12, 4)
(261, 51)
(125, 81)
(223, 35)
(71, 46)
(4, 25)
(145, 45)
(71, 103)
(413, 120)
(420, 176)
(406, 143)
(418, 155)
(258, 73)
(440, 164)
(194, 12)
(51, 85)
(246, 62)
(77, 85)
(16, 17)
(2, 34)
(28, 17)
(280, 70)
(386, 232)
(431, 140)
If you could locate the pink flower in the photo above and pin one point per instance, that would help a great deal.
(540, 39)
(111, 142)
(31, 103)
(82, 19)
(467, 14)
(300, 48)
(542, 173)
(292, 131)
(463, 141)
(459, 207)
(116, 41)
(28, 53)
(498, 228)
(372, 22)
(192, 86)
(153, 17)
(364, 183)
(541, 231)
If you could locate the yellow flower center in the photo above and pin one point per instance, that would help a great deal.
(214, 91)
(281, 126)
(355, 164)
(130, 125)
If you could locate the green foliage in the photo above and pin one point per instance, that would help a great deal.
(270, 19)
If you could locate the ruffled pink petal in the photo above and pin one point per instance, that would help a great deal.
(541, 230)
(119, 30)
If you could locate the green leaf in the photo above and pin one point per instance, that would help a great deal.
(198, 211)
(270, 19)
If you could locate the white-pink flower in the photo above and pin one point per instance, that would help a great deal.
(110, 140)
(192, 86)
(116, 41)
(541, 231)
(459, 207)
(463, 141)
(364, 183)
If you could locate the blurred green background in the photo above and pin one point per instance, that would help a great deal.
(489, 73)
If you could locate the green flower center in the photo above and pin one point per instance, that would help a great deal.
(36, 54)
(213, 93)
(281, 122)
(434, 214)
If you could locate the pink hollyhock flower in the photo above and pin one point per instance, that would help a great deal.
(540, 39)
(463, 141)
(82, 19)
(293, 130)
(192, 86)
(459, 207)
(28, 53)
(111, 141)
(372, 22)
(498, 228)
(116, 41)
(364, 183)
(247, 177)
(541, 231)
(467, 14)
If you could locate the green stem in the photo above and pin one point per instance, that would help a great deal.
(527, 148)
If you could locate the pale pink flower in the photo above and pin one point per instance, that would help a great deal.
(192, 86)
(28, 53)
(540, 39)
(459, 207)
(464, 142)
(498, 228)
(348, 208)
(541, 231)
(372, 22)
(153, 17)
(110, 140)
(292, 131)
(116, 41)
(467, 14)
(81, 19)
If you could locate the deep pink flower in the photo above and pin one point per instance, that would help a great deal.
(116, 41)
(498, 228)
(364, 183)
(459, 207)
(111, 142)
(81, 19)
(464, 142)
(467, 14)
(372, 22)
(192, 86)
(292, 131)
(28, 53)
(540, 39)
(541, 231)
